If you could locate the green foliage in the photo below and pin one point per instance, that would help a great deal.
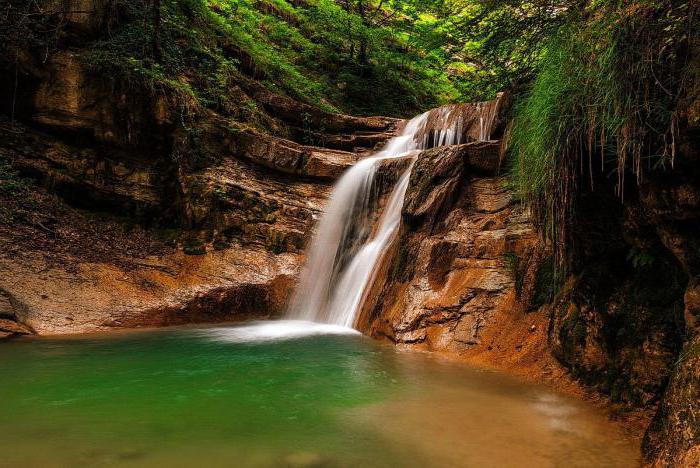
(512, 262)
(356, 56)
(192, 245)
(605, 95)
(547, 284)
(690, 352)
(276, 243)
(191, 66)
(640, 259)
(221, 244)
(502, 41)
(189, 150)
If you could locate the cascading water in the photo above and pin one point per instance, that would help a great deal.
(347, 248)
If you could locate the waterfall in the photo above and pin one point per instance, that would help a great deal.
(349, 242)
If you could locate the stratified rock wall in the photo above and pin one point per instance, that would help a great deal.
(469, 275)
(453, 267)
(234, 204)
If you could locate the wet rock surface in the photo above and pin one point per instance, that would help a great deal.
(9, 324)
(176, 289)
(469, 275)
(449, 274)
(233, 232)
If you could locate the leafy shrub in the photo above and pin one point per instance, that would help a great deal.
(309, 52)
(640, 259)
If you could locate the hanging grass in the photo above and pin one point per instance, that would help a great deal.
(604, 101)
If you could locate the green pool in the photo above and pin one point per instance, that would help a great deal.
(278, 394)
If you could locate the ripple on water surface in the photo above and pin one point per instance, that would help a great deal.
(279, 394)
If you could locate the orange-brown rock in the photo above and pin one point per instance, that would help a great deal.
(9, 325)
(276, 211)
(450, 272)
(249, 223)
(71, 98)
(227, 285)
(288, 156)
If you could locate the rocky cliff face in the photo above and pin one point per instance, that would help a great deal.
(230, 234)
(450, 272)
(144, 216)
(673, 205)
(626, 322)
(468, 271)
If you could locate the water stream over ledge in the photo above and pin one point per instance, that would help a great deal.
(279, 394)
(354, 231)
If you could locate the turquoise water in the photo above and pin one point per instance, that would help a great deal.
(261, 396)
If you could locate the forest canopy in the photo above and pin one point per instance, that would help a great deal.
(393, 57)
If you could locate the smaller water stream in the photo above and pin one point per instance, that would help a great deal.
(279, 394)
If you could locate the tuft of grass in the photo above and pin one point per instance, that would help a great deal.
(512, 262)
(193, 246)
(11, 183)
(604, 99)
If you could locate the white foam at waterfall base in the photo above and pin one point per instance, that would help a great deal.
(275, 331)
(345, 251)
